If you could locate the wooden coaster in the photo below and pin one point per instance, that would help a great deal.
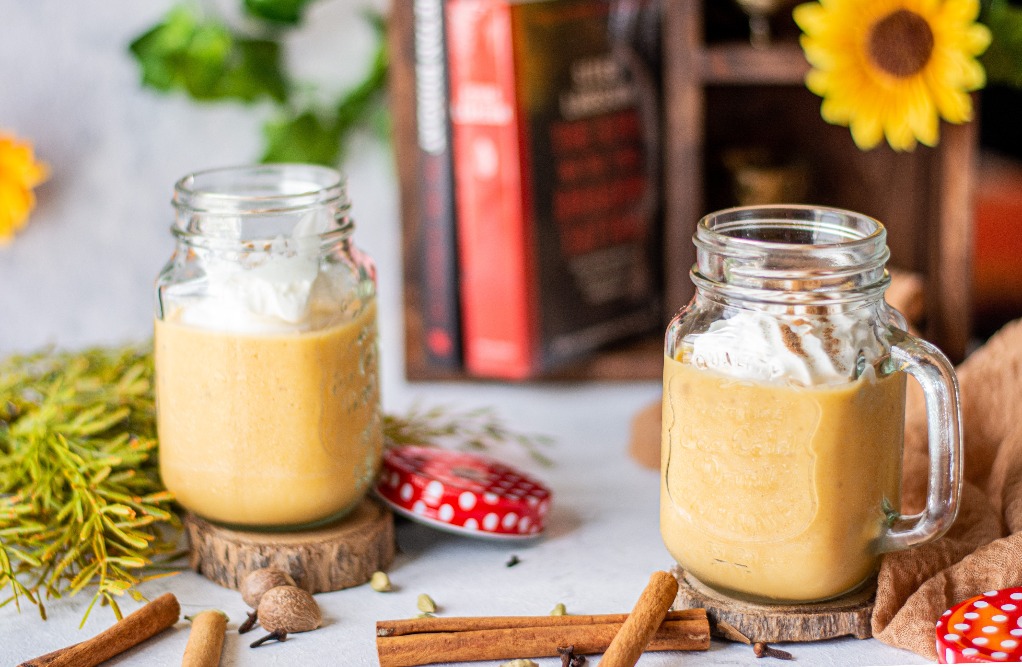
(848, 615)
(329, 558)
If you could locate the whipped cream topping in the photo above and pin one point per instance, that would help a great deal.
(786, 348)
(275, 286)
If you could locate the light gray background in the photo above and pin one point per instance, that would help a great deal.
(81, 273)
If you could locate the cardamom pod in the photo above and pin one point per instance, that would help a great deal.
(426, 604)
(380, 582)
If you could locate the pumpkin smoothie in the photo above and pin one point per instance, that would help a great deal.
(777, 492)
(275, 429)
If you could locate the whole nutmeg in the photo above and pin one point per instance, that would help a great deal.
(288, 609)
(259, 581)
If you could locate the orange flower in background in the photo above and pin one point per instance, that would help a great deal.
(19, 174)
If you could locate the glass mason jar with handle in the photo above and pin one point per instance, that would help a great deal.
(265, 348)
(783, 409)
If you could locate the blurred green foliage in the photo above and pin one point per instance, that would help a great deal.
(1003, 60)
(199, 54)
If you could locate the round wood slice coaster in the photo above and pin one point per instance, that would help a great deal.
(328, 558)
(848, 615)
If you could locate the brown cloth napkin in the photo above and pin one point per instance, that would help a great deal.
(983, 549)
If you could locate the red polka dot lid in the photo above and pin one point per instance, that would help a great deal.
(464, 493)
(986, 628)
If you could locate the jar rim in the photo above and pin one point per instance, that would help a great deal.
(260, 189)
(791, 253)
(712, 226)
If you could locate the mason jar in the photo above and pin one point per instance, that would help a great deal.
(268, 400)
(783, 409)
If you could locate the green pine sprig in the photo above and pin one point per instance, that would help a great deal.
(81, 502)
(477, 429)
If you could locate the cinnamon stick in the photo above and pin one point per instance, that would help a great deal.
(636, 632)
(429, 640)
(131, 630)
(409, 626)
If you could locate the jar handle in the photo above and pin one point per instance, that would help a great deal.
(936, 376)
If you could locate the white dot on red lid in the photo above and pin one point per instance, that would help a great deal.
(970, 651)
(951, 637)
(990, 594)
(946, 613)
(490, 521)
(1009, 643)
(1009, 607)
(467, 500)
(510, 519)
(434, 490)
(999, 618)
(523, 525)
(990, 629)
(998, 655)
(532, 500)
(491, 498)
(1015, 632)
(981, 603)
(471, 524)
(543, 507)
(1016, 596)
(972, 616)
(419, 507)
(446, 512)
(406, 492)
(395, 479)
(982, 641)
(962, 626)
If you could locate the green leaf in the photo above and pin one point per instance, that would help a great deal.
(203, 58)
(288, 12)
(306, 137)
(1003, 59)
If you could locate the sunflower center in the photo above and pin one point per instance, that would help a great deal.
(901, 43)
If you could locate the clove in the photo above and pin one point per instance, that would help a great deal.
(248, 623)
(764, 650)
(276, 635)
(568, 657)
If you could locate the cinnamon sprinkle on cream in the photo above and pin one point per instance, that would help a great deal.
(792, 340)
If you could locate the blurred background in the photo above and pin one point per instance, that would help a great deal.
(81, 271)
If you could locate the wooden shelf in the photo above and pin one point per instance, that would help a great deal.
(734, 63)
(728, 94)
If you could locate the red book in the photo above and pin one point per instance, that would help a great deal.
(555, 188)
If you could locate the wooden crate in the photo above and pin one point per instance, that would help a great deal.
(718, 94)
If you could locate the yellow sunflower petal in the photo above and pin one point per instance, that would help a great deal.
(867, 131)
(920, 114)
(953, 105)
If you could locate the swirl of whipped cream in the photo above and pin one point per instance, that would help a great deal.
(785, 348)
(273, 290)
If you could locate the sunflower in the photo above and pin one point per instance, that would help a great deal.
(19, 174)
(893, 67)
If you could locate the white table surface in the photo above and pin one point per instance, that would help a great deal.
(599, 548)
